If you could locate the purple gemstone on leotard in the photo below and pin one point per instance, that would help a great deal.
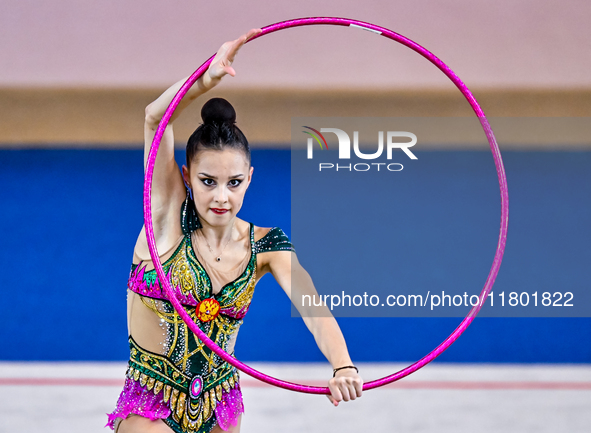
(196, 387)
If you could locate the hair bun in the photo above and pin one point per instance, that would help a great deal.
(218, 110)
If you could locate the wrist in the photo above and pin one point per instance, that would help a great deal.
(345, 367)
(206, 83)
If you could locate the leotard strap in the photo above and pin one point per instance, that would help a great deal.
(274, 240)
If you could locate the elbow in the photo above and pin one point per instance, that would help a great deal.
(152, 118)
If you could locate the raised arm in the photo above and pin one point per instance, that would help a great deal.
(285, 267)
(168, 190)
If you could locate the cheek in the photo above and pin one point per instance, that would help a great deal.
(238, 197)
(201, 196)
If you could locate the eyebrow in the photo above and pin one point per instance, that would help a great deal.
(236, 176)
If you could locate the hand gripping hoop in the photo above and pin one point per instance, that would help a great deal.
(500, 173)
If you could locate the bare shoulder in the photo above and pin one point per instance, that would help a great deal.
(242, 233)
(165, 246)
(263, 260)
(260, 232)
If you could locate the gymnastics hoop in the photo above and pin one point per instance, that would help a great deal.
(500, 173)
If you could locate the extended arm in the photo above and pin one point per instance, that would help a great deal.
(168, 191)
(296, 282)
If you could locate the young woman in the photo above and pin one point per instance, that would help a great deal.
(213, 260)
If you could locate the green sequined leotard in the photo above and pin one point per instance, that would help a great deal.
(183, 382)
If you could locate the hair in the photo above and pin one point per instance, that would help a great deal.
(218, 131)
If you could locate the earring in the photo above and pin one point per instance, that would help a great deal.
(189, 218)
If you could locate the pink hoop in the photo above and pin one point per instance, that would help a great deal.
(500, 173)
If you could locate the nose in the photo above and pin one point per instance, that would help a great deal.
(221, 195)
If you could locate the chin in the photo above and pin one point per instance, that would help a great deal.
(219, 220)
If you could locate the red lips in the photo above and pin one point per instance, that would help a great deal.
(219, 211)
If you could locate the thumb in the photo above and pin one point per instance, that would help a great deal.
(230, 71)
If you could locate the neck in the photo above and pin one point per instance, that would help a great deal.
(217, 236)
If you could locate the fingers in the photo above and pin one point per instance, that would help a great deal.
(332, 400)
(345, 388)
(358, 387)
(251, 33)
(236, 44)
(346, 393)
(335, 393)
(222, 62)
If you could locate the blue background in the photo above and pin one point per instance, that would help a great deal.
(70, 219)
(434, 227)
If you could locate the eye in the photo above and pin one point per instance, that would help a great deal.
(235, 182)
(208, 182)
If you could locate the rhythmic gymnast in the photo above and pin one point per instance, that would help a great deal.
(213, 260)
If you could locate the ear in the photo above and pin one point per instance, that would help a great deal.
(186, 176)
(250, 176)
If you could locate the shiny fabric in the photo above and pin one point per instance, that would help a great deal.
(172, 375)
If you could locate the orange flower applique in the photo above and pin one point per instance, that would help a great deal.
(207, 309)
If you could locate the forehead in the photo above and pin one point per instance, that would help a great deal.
(227, 161)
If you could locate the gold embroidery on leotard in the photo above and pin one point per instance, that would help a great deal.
(184, 357)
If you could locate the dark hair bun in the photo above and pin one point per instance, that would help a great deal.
(218, 110)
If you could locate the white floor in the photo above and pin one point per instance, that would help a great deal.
(67, 397)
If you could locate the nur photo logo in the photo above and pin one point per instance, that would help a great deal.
(345, 143)
(344, 148)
